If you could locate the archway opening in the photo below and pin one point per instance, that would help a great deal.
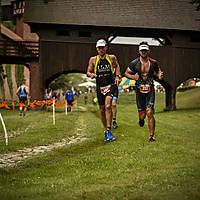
(78, 82)
(137, 40)
(191, 83)
(188, 94)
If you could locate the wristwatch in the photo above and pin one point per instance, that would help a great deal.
(118, 75)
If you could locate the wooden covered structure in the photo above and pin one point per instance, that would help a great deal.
(69, 29)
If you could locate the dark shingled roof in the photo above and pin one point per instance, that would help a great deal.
(5, 2)
(159, 14)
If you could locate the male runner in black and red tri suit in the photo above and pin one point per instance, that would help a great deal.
(101, 67)
(143, 70)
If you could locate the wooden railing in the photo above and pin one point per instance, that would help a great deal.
(19, 49)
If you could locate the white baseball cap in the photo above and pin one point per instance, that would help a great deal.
(143, 47)
(101, 43)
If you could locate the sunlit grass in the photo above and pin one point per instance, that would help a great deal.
(129, 168)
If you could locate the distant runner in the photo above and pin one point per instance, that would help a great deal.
(23, 94)
(114, 104)
(142, 70)
(101, 67)
(69, 97)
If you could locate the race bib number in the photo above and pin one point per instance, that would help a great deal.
(145, 88)
(105, 90)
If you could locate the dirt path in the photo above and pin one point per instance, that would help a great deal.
(14, 158)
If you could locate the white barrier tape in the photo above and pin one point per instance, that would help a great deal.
(54, 121)
(4, 127)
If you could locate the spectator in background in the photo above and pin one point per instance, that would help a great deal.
(54, 94)
(86, 99)
(48, 95)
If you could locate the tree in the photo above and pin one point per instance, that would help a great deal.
(197, 2)
(2, 77)
(10, 25)
(65, 81)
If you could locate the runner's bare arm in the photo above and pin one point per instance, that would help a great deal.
(116, 65)
(18, 89)
(90, 70)
(128, 74)
(159, 74)
(117, 69)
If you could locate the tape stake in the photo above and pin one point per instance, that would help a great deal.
(54, 120)
(66, 107)
(4, 127)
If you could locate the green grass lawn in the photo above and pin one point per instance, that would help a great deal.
(128, 168)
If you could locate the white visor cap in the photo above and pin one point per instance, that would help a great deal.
(143, 47)
(101, 43)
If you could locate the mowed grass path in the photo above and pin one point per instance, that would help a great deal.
(129, 168)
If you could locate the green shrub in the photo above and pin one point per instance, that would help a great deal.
(2, 76)
(186, 88)
(9, 25)
(9, 78)
(19, 74)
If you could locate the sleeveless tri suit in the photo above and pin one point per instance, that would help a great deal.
(104, 80)
(23, 94)
(145, 93)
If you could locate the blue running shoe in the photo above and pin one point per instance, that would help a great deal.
(110, 136)
(106, 136)
(115, 125)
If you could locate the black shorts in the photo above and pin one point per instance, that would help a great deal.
(115, 91)
(70, 102)
(101, 97)
(145, 101)
(23, 100)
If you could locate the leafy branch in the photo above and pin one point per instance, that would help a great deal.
(196, 2)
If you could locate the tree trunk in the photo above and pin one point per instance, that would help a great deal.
(36, 86)
(170, 98)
